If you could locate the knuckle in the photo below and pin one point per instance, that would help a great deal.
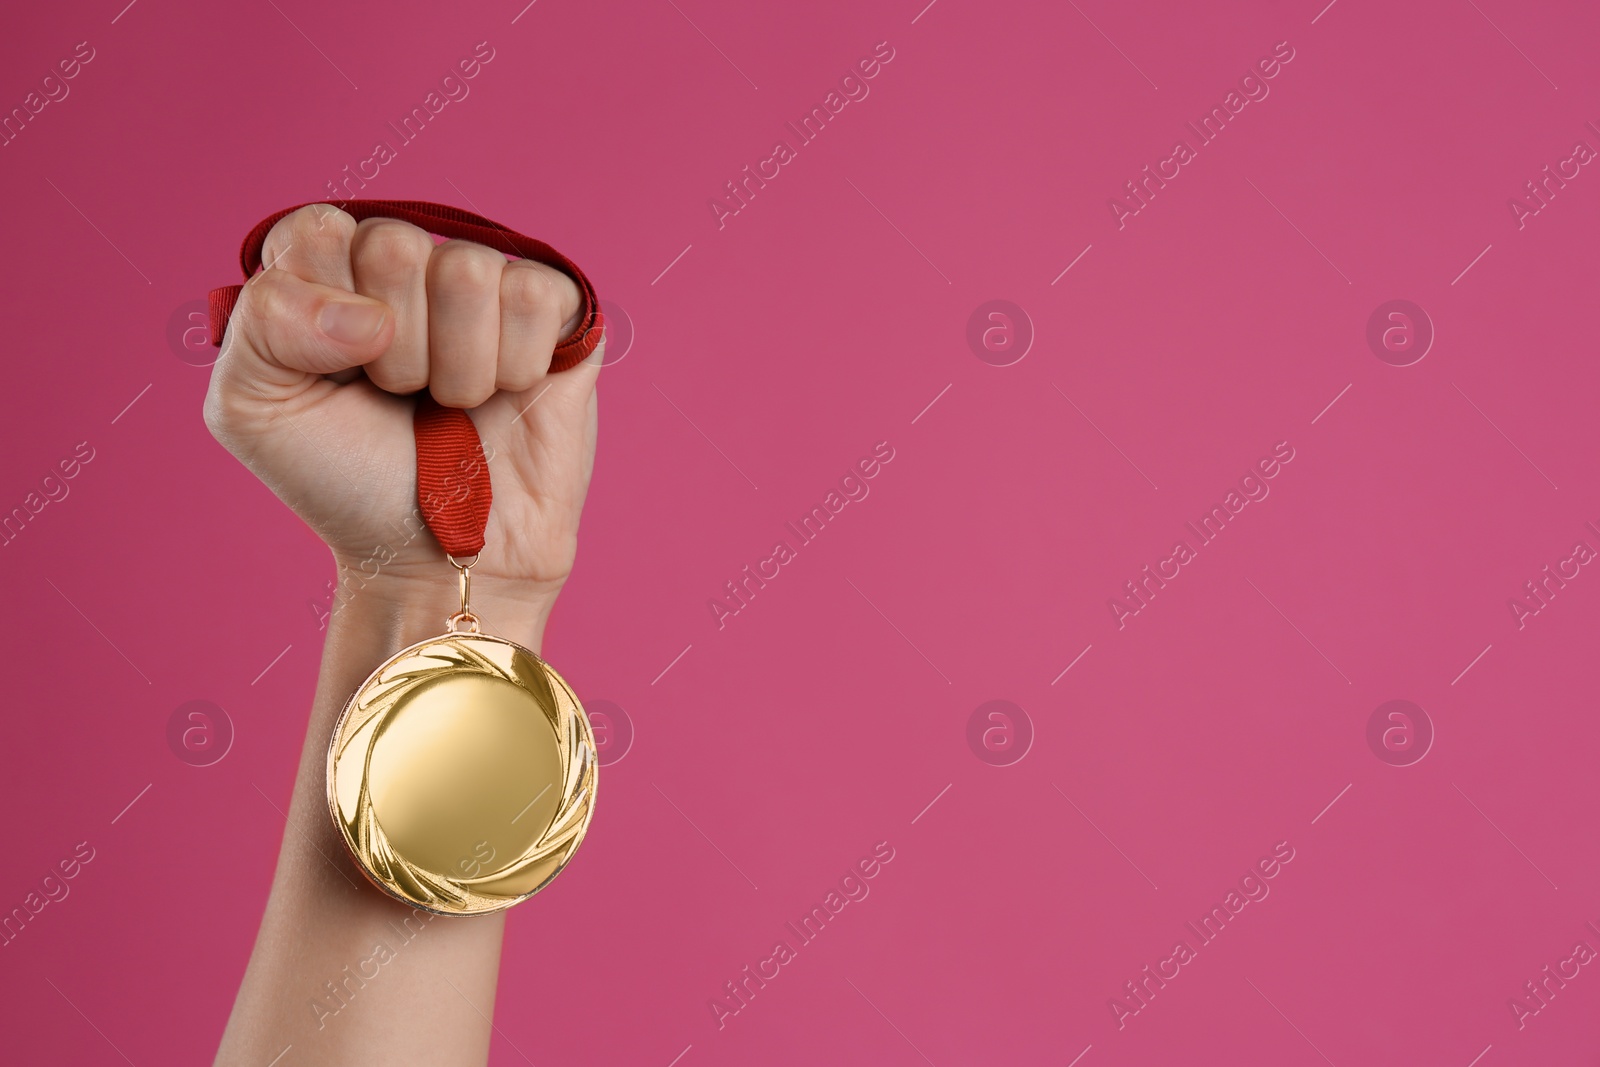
(262, 302)
(314, 226)
(272, 316)
(527, 289)
(390, 246)
(323, 224)
(462, 265)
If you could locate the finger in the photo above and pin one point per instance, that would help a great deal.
(313, 244)
(538, 308)
(463, 322)
(285, 331)
(551, 409)
(389, 260)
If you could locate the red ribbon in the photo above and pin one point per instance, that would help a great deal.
(453, 488)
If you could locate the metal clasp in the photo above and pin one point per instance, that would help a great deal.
(464, 578)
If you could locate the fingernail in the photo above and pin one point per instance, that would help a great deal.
(351, 323)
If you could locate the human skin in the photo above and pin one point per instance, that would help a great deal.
(311, 393)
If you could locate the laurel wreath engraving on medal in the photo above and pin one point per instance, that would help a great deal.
(372, 710)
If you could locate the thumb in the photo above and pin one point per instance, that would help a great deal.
(285, 332)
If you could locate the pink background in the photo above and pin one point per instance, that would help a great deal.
(832, 711)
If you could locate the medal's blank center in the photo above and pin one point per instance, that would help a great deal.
(455, 771)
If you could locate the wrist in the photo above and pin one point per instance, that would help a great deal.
(406, 608)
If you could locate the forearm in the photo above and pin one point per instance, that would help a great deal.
(339, 968)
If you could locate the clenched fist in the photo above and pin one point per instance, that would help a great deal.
(312, 392)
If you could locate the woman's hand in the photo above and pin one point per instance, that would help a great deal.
(311, 393)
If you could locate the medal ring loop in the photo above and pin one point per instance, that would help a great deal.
(460, 617)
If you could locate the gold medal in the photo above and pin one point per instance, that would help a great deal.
(462, 772)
